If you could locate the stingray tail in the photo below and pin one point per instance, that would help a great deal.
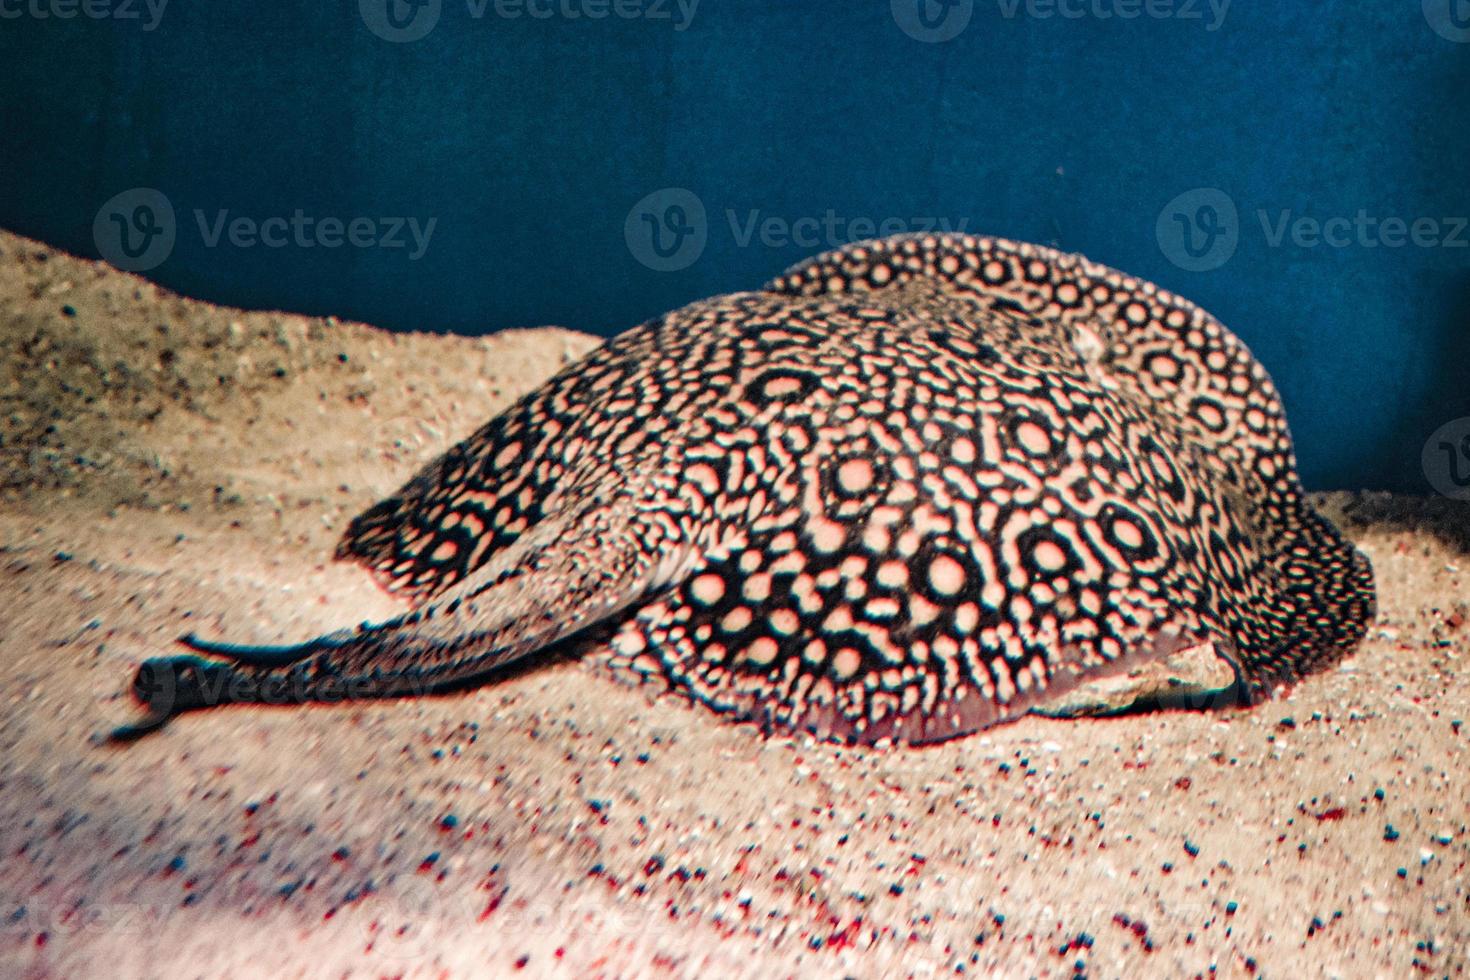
(392, 659)
(560, 578)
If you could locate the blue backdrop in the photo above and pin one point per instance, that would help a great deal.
(470, 165)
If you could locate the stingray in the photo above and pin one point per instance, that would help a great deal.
(913, 488)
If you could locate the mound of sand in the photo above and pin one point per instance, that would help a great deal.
(168, 465)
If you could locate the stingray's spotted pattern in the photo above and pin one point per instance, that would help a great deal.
(909, 490)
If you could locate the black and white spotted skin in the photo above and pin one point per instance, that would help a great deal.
(913, 488)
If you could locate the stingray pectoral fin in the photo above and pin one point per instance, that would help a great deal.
(558, 579)
(395, 539)
(1186, 676)
(1079, 685)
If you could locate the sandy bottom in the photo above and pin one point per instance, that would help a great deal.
(167, 465)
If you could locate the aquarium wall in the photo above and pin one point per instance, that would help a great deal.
(473, 165)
